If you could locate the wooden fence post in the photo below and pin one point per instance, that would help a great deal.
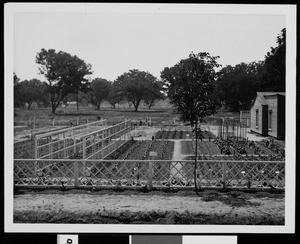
(35, 148)
(102, 144)
(51, 148)
(152, 155)
(74, 141)
(150, 175)
(76, 173)
(224, 174)
(65, 145)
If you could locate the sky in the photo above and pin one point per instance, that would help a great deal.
(115, 42)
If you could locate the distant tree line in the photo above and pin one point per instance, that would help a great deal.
(236, 86)
(68, 79)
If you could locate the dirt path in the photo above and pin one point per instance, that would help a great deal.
(136, 203)
(177, 156)
(234, 207)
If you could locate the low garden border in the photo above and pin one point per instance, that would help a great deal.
(148, 173)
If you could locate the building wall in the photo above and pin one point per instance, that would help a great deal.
(273, 125)
(257, 127)
(272, 106)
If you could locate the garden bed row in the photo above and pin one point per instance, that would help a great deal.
(139, 150)
(204, 147)
(231, 147)
(236, 157)
(182, 134)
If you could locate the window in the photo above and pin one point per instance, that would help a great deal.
(256, 118)
(270, 119)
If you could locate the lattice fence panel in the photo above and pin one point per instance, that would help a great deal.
(139, 173)
(44, 173)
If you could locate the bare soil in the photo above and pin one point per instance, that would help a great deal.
(155, 207)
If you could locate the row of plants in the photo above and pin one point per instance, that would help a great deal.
(139, 150)
(182, 134)
(203, 147)
(164, 150)
(235, 157)
(224, 146)
(187, 147)
(273, 145)
(121, 150)
(171, 134)
(260, 149)
(234, 146)
(207, 148)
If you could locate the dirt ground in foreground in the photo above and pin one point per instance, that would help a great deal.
(156, 207)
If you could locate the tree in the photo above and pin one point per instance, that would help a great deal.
(100, 89)
(135, 86)
(237, 86)
(155, 92)
(115, 96)
(32, 91)
(273, 77)
(64, 73)
(17, 95)
(190, 89)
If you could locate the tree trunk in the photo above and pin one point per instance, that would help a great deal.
(136, 105)
(29, 105)
(77, 98)
(53, 108)
(196, 152)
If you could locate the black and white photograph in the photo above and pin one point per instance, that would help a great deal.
(150, 118)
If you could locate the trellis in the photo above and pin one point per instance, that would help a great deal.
(232, 128)
(153, 173)
(92, 140)
(245, 117)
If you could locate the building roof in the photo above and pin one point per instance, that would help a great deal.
(270, 93)
(260, 96)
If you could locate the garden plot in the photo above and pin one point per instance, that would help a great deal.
(182, 134)
(129, 161)
(139, 150)
(204, 147)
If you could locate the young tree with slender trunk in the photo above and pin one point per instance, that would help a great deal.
(191, 90)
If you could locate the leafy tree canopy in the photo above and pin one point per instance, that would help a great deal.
(17, 94)
(136, 85)
(64, 74)
(115, 95)
(32, 91)
(191, 86)
(100, 89)
(237, 86)
(273, 77)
